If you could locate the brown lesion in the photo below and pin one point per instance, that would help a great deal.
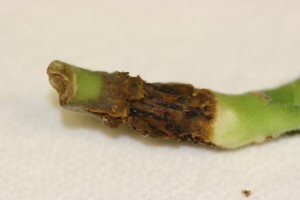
(174, 111)
(161, 110)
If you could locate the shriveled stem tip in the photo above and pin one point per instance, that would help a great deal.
(61, 78)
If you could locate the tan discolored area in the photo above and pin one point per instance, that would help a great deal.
(174, 111)
(116, 93)
(61, 77)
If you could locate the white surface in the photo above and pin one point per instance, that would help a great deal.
(229, 46)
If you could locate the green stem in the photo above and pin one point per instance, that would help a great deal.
(249, 118)
(288, 93)
(76, 86)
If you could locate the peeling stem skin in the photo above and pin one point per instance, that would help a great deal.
(178, 111)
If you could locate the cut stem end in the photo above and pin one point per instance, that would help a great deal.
(61, 78)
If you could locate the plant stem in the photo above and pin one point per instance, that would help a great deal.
(249, 118)
(287, 93)
(178, 111)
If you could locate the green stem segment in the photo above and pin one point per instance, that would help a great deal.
(178, 111)
(252, 118)
(287, 94)
(74, 85)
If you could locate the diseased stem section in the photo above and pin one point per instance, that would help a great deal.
(174, 111)
(178, 111)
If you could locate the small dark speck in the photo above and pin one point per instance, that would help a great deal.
(208, 117)
(169, 126)
(133, 110)
(179, 130)
(181, 99)
(190, 114)
(206, 108)
(166, 114)
(151, 106)
(171, 106)
(246, 193)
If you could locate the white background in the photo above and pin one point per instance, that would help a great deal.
(229, 46)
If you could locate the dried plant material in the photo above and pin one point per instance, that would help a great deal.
(178, 111)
